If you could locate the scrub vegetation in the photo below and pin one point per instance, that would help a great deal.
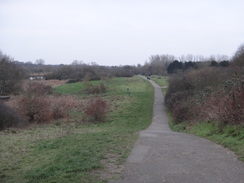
(210, 102)
(230, 135)
(77, 149)
(79, 122)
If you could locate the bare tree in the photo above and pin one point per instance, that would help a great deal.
(10, 75)
(182, 58)
(40, 62)
(238, 58)
(158, 64)
(189, 57)
(222, 58)
(77, 62)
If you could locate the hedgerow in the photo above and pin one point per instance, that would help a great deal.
(210, 94)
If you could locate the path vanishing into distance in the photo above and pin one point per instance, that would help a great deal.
(161, 155)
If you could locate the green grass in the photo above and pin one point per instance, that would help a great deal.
(229, 136)
(77, 152)
(162, 81)
(73, 88)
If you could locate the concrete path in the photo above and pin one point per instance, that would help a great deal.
(161, 155)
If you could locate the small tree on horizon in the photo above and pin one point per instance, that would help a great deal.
(238, 58)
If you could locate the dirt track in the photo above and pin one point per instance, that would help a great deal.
(161, 155)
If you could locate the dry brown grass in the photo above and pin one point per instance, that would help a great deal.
(52, 83)
(37, 104)
(44, 108)
(96, 109)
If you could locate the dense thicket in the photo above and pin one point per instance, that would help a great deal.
(179, 67)
(210, 93)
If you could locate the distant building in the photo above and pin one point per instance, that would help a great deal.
(36, 78)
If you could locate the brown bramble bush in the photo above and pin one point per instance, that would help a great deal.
(214, 94)
(95, 89)
(227, 104)
(38, 106)
(96, 109)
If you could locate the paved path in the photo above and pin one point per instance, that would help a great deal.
(161, 155)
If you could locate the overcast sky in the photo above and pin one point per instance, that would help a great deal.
(118, 32)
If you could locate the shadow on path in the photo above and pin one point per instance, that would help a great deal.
(161, 155)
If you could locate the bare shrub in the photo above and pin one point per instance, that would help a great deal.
(227, 104)
(37, 89)
(73, 81)
(47, 108)
(215, 94)
(11, 76)
(61, 105)
(210, 77)
(183, 111)
(38, 106)
(238, 58)
(9, 118)
(51, 82)
(34, 103)
(96, 109)
(95, 89)
(102, 87)
(178, 91)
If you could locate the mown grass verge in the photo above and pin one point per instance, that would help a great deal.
(229, 136)
(162, 81)
(74, 151)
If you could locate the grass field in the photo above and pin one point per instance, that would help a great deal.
(78, 151)
(162, 81)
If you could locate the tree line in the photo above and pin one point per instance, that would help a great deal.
(212, 94)
(12, 72)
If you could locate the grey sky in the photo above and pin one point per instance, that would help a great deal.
(118, 32)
